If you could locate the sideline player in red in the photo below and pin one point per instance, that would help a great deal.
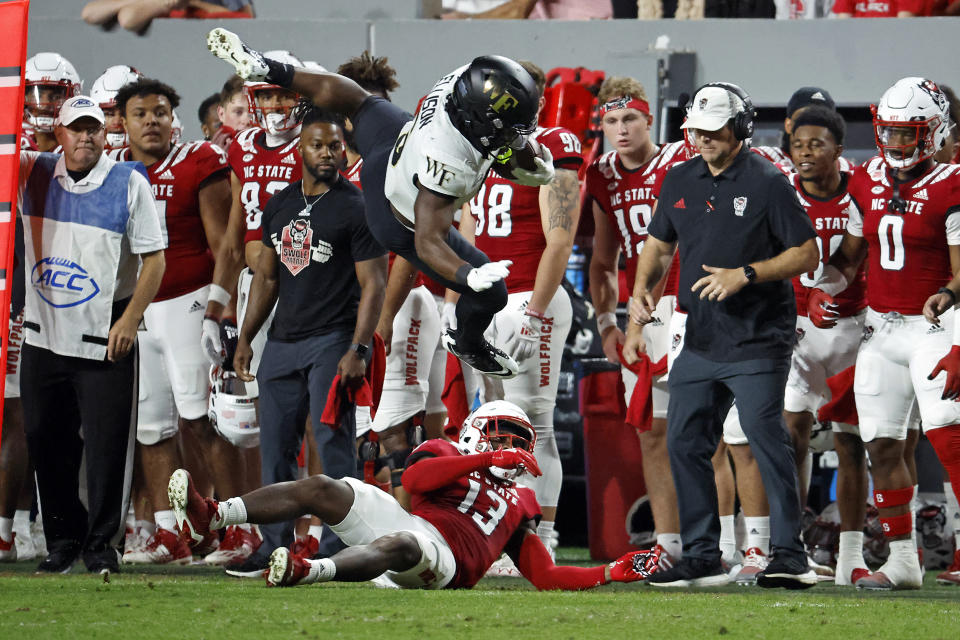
(467, 509)
(622, 186)
(49, 79)
(191, 186)
(906, 224)
(534, 227)
(815, 146)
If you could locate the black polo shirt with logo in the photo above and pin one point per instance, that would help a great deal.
(318, 290)
(747, 214)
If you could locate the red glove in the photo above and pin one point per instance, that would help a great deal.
(950, 364)
(515, 459)
(635, 565)
(822, 309)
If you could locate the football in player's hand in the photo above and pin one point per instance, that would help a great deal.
(522, 158)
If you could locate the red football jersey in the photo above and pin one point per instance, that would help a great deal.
(829, 218)
(507, 214)
(628, 197)
(353, 173)
(176, 182)
(879, 8)
(477, 515)
(908, 258)
(263, 171)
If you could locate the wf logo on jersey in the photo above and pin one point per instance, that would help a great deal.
(441, 172)
(295, 245)
(62, 283)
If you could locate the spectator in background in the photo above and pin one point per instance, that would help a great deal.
(136, 15)
(89, 222)
(534, 9)
(208, 116)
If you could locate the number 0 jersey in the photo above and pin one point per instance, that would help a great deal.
(628, 197)
(908, 257)
(829, 218)
(431, 152)
(476, 515)
(176, 181)
(507, 214)
(262, 171)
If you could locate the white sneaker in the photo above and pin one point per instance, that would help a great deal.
(754, 562)
(226, 45)
(843, 576)
(8, 549)
(24, 541)
(39, 539)
(134, 542)
(503, 567)
(163, 547)
(896, 573)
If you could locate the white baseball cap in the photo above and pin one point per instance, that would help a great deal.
(711, 109)
(79, 107)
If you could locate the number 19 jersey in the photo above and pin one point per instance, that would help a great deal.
(263, 171)
(908, 257)
(476, 515)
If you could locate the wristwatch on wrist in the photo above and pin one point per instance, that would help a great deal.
(750, 272)
(362, 350)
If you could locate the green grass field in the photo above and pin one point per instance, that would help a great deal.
(197, 602)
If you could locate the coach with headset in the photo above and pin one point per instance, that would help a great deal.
(742, 235)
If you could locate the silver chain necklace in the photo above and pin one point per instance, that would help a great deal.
(308, 206)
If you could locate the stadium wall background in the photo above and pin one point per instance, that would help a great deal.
(854, 59)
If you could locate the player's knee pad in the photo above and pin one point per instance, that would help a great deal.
(154, 432)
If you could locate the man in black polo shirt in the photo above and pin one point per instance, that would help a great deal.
(327, 276)
(742, 235)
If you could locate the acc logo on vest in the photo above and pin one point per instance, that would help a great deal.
(60, 282)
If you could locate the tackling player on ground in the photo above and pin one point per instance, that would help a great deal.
(427, 167)
(467, 509)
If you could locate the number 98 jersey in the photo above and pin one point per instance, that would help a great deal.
(476, 515)
(908, 257)
(508, 217)
(262, 171)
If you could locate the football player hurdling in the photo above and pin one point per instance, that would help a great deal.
(467, 509)
(419, 170)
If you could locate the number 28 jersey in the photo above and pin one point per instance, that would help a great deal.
(476, 515)
(262, 171)
(507, 214)
(908, 255)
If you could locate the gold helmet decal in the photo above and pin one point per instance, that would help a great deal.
(500, 100)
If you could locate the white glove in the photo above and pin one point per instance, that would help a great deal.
(543, 175)
(528, 336)
(448, 317)
(482, 278)
(210, 342)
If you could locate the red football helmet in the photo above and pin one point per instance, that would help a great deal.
(270, 105)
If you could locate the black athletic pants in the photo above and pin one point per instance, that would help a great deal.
(64, 397)
(376, 125)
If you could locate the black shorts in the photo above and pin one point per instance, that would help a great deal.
(376, 125)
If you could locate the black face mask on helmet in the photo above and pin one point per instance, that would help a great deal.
(494, 104)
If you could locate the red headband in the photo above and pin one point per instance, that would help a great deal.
(625, 102)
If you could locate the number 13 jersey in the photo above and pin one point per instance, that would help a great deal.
(908, 257)
(476, 515)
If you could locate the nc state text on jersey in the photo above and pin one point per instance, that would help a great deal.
(268, 171)
(634, 194)
(912, 206)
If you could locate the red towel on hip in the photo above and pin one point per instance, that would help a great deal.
(640, 408)
(341, 398)
(843, 403)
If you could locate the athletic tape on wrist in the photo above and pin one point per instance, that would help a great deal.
(280, 74)
(606, 320)
(218, 294)
(832, 281)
